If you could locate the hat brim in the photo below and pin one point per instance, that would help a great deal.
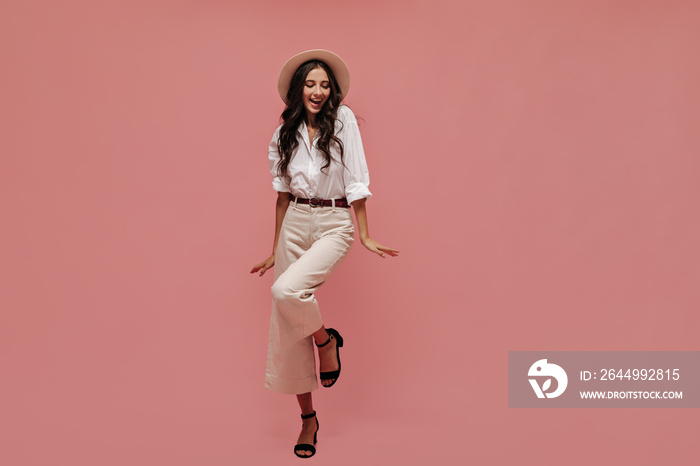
(337, 65)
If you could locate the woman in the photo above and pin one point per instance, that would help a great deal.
(319, 171)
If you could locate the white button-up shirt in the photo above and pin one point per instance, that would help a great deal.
(304, 177)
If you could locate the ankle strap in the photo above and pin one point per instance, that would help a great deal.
(308, 416)
(330, 337)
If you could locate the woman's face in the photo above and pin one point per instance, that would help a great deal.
(317, 90)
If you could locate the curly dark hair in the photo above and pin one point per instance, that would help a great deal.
(295, 113)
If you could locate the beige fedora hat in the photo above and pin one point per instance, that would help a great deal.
(340, 70)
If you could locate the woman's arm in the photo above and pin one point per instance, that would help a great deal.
(361, 216)
(283, 200)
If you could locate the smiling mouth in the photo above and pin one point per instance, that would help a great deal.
(315, 102)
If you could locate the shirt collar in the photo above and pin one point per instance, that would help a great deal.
(303, 129)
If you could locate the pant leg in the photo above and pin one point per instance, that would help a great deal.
(313, 242)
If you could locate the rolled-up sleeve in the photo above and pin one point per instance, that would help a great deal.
(355, 174)
(279, 183)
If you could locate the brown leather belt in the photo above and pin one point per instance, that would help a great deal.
(315, 202)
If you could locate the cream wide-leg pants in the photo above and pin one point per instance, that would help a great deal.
(313, 242)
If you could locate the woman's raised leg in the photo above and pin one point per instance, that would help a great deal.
(327, 354)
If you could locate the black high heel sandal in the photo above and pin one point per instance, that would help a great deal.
(305, 446)
(332, 335)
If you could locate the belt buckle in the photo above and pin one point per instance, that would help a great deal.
(315, 202)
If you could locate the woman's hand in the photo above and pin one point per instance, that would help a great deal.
(377, 248)
(358, 206)
(264, 265)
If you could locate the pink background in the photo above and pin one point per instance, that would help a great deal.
(535, 162)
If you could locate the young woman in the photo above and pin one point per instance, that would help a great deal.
(319, 171)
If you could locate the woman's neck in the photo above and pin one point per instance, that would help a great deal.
(310, 122)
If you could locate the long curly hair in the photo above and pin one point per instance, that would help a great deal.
(295, 113)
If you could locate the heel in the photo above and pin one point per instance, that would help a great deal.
(333, 334)
(305, 446)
